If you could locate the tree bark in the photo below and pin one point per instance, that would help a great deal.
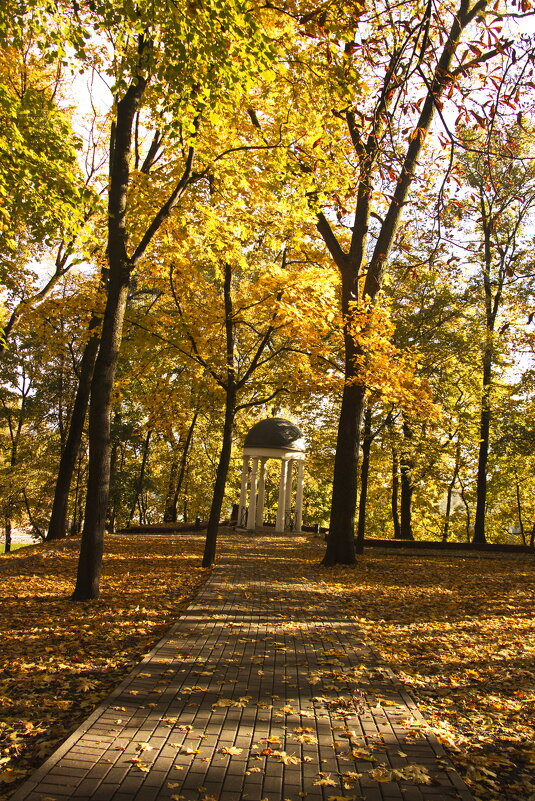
(228, 426)
(395, 495)
(519, 511)
(98, 482)
(364, 475)
(406, 466)
(7, 530)
(120, 268)
(67, 464)
(341, 536)
(449, 493)
(170, 511)
(139, 483)
(340, 541)
(170, 515)
(483, 453)
(220, 479)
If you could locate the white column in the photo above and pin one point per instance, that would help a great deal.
(251, 517)
(282, 497)
(299, 496)
(261, 493)
(288, 498)
(243, 492)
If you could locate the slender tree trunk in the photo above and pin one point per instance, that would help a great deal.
(111, 514)
(483, 455)
(139, 483)
(58, 516)
(364, 475)
(78, 502)
(467, 507)
(220, 479)
(406, 466)
(171, 511)
(532, 536)
(451, 485)
(7, 532)
(519, 511)
(395, 495)
(447, 514)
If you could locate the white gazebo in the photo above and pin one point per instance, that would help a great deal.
(274, 438)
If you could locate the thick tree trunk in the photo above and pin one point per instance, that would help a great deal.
(98, 483)
(340, 541)
(364, 475)
(395, 495)
(120, 268)
(341, 537)
(220, 479)
(58, 516)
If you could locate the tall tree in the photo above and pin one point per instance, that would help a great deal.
(150, 52)
(501, 185)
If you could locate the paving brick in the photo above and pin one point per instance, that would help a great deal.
(242, 623)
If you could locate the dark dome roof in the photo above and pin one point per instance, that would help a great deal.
(275, 433)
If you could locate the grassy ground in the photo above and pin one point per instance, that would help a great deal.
(459, 632)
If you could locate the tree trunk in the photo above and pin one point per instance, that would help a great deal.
(7, 545)
(67, 464)
(364, 475)
(220, 479)
(171, 511)
(139, 483)
(519, 511)
(78, 506)
(120, 268)
(340, 541)
(451, 485)
(395, 495)
(406, 466)
(341, 536)
(98, 482)
(483, 456)
(467, 507)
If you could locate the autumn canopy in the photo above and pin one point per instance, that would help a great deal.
(219, 212)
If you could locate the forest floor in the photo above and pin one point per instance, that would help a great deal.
(458, 631)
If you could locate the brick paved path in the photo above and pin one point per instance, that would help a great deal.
(262, 690)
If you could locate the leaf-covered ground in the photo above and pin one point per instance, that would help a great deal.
(460, 632)
(58, 659)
